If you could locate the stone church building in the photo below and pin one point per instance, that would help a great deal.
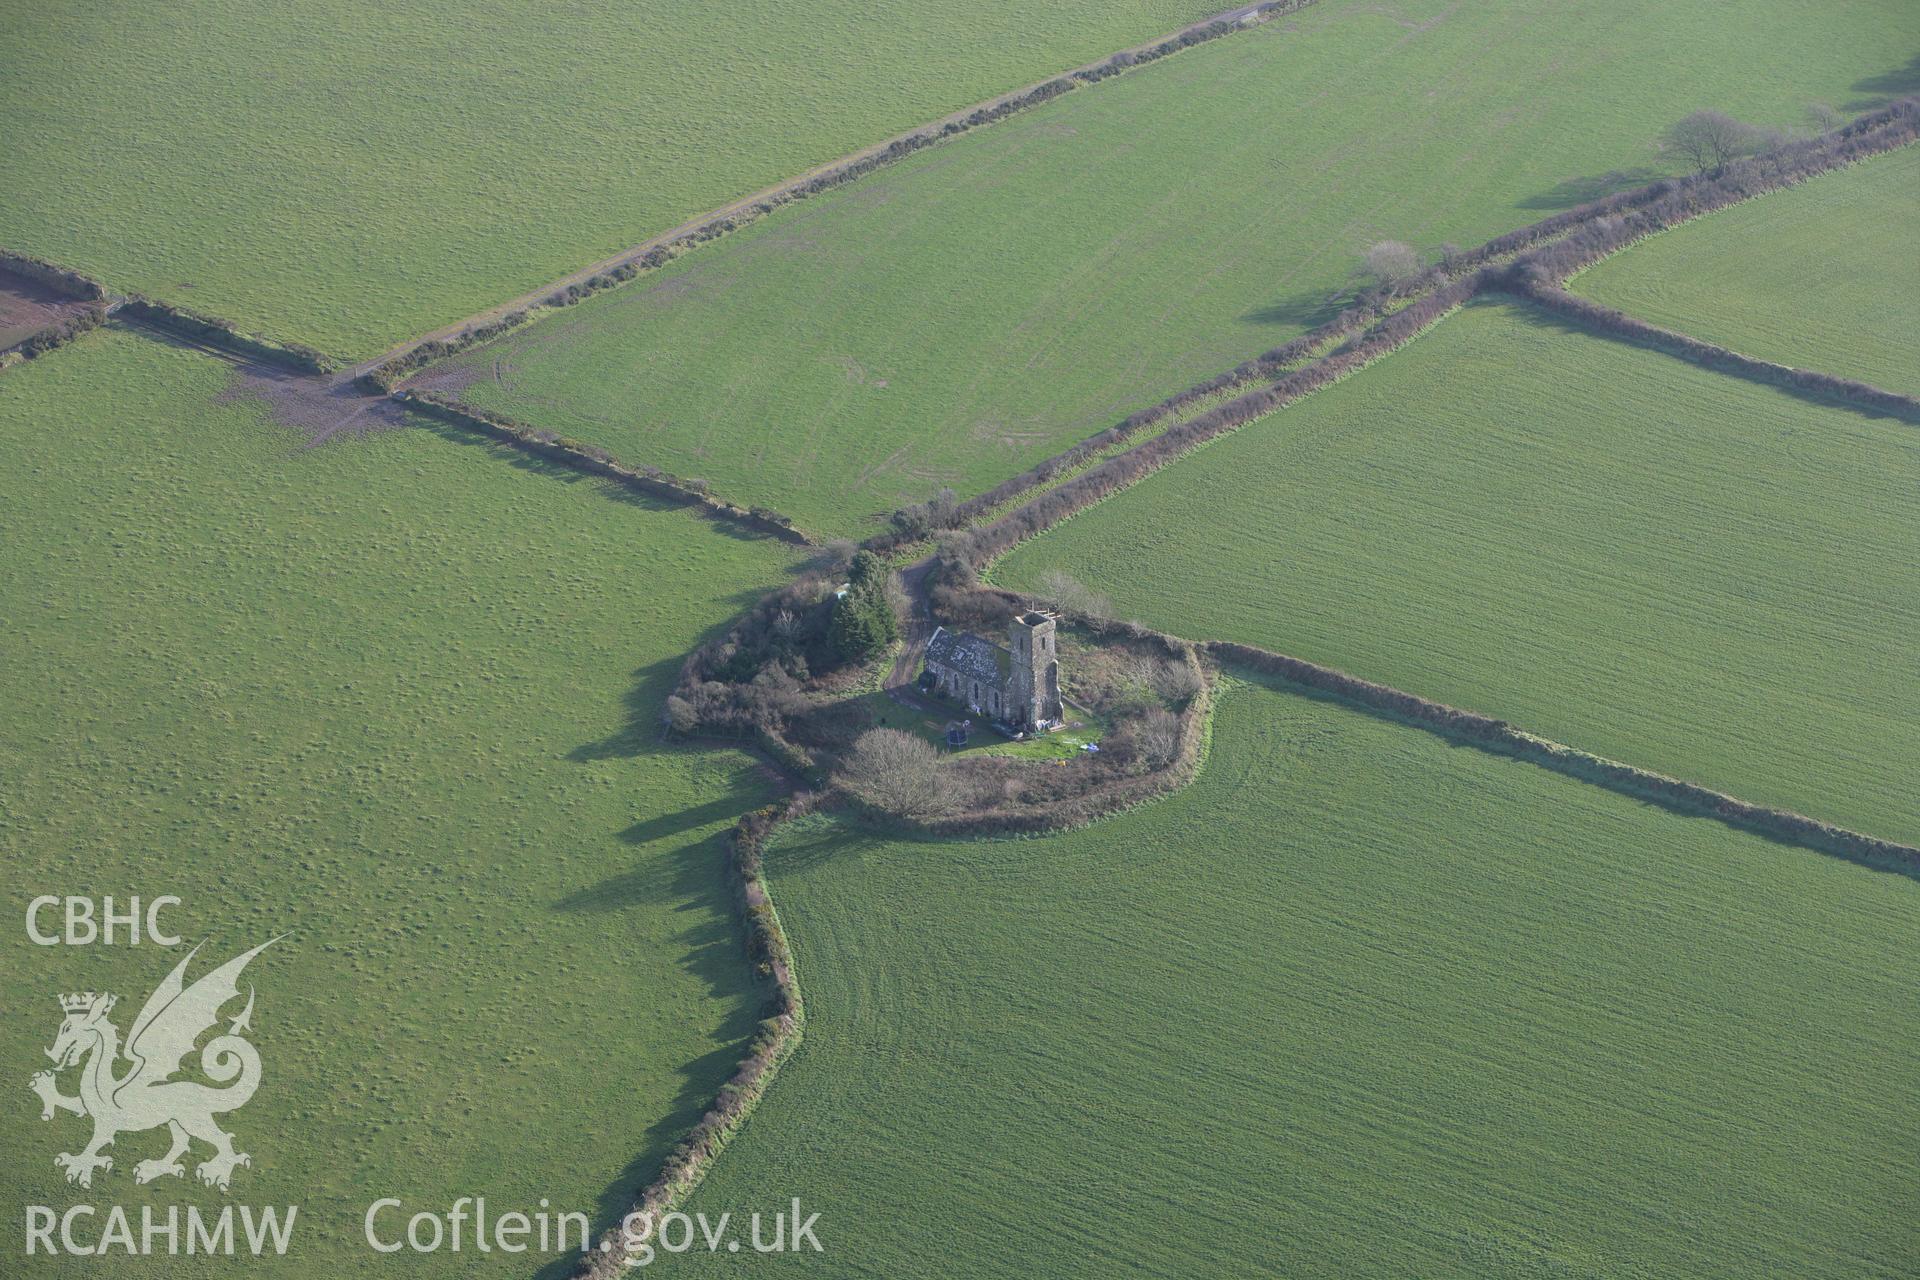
(1017, 684)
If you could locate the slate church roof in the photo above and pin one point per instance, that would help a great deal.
(964, 652)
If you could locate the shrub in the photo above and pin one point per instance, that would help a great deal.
(680, 714)
(1070, 595)
(1393, 265)
(1711, 140)
(896, 772)
(1156, 737)
(923, 518)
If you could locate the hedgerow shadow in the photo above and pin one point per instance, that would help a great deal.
(517, 458)
(1573, 192)
(641, 732)
(687, 880)
(1887, 86)
(1567, 767)
(1308, 309)
(700, 1080)
(1540, 318)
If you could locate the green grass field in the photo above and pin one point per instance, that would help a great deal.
(1357, 1003)
(1822, 276)
(1607, 546)
(351, 174)
(952, 320)
(394, 697)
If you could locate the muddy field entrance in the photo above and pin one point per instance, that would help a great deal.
(27, 306)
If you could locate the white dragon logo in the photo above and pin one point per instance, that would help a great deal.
(174, 1017)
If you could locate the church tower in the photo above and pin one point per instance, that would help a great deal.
(1034, 683)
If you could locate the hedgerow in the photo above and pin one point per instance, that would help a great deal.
(1547, 251)
(597, 461)
(58, 334)
(1537, 288)
(388, 375)
(783, 1024)
(55, 277)
(1498, 735)
(61, 280)
(216, 332)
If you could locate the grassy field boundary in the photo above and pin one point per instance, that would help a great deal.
(771, 951)
(61, 279)
(1152, 421)
(222, 336)
(594, 460)
(1641, 784)
(780, 1033)
(1492, 734)
(387, 371)
(1540, 275)
(1608, 226)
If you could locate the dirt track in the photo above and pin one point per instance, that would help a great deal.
(320, 407)
(899, 681)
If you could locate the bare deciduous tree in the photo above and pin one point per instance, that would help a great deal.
(1825, 118)
(836, 555)
(1710, 140)
(895, 771)
(1069, 593)
(1392, 263)
(1158, 735)
(897, 599)
(1179, 681)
